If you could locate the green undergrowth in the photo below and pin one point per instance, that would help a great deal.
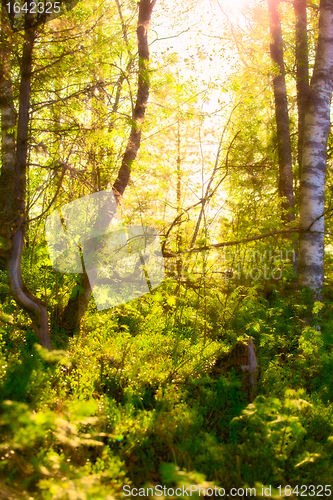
(132, 399)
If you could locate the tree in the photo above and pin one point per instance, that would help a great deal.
(77, 305)
(314, 155)
(313, 110)
(302, 69)
(282, 115)
(14, 176)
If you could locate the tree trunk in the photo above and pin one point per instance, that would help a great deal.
(242, 357)
(36, 310)
(282, 115)
(316, 131)
(8, 124)
(134, 140)
(76, 307)
(14, 186)
(179, 238)
(302, 71)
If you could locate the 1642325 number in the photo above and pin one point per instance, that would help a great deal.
(33, 8)
(306, 491)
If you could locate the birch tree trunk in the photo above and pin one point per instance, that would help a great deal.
(316, 131)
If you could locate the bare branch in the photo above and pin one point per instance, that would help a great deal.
(231, 243)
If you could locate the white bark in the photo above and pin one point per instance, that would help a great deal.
(317, 126)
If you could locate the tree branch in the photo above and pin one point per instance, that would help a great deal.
(231, 243)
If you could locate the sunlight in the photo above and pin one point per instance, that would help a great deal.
(166, 260)
(232, 6)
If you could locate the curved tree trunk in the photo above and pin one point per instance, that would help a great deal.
(76, 307)
(312, 188)
(13, 185)
(35, 308)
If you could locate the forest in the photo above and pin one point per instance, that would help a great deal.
(166, 256)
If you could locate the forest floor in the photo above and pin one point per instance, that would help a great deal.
(133, 401)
